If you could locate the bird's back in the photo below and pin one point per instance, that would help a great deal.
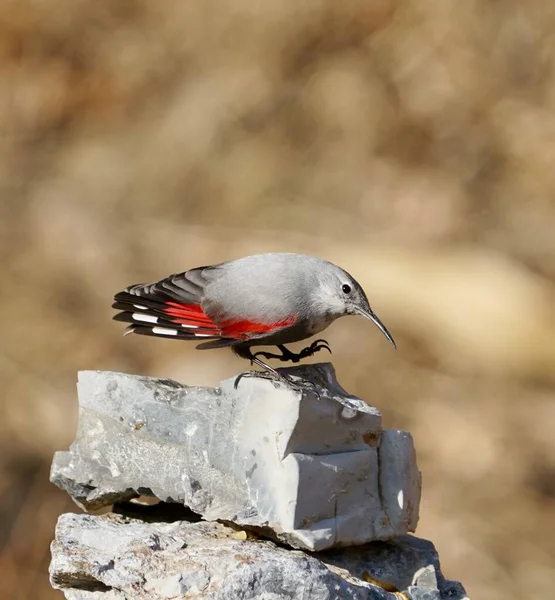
(266, 287)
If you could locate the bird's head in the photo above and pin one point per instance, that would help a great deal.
(340, 294)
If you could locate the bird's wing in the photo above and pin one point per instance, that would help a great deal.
(238, 331)
(168, 308)
(173, 308)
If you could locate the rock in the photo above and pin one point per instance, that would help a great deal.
(312, 469)
(113, 557)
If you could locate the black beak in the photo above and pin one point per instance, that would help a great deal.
(370, 315)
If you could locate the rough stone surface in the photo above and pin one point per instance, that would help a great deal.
(113, 557)
(310, 468)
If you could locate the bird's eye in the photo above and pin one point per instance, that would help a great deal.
(346, 288)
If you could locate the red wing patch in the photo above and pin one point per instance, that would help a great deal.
(162, 317)
(191, 314)
(245, 329)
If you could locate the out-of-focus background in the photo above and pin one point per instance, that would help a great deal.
(412, 142)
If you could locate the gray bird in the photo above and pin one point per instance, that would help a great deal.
(260, 300)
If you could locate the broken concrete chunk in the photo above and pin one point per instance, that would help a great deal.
(314, 470)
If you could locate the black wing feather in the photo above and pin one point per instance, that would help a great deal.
(144, 306)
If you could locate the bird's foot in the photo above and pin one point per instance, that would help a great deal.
(311, 350)
(270, 373)
(287, 355)
(300, 386)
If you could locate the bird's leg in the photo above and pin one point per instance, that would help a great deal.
(287, 355)
(245, 352)
(270, 373)
(269, 370)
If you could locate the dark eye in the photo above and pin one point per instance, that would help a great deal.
(346, 288)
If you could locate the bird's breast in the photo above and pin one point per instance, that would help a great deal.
(317, 324)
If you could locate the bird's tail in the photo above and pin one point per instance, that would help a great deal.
(168, 308)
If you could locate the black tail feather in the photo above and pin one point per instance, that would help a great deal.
(157, 331)
(147, 316)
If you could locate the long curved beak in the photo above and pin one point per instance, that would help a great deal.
(374, 318)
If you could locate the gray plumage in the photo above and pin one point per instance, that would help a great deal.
(264, 299)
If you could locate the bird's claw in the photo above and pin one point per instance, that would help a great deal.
(316, 346)
(287, 355)
(260, 374)
(302, 385)
(299, 386)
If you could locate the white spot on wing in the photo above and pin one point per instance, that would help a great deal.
(145, 318)
(400, 498)
(140, 307)
(190, 326)
(203, 335)
(164, 331)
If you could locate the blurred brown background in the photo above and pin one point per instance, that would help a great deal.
(412, 142)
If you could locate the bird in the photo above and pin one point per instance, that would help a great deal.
(268, 299)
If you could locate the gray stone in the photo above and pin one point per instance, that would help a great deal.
(113, 557)
(399, 480)
(311, 468)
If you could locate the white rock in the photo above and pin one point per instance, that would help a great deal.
(312, 470)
